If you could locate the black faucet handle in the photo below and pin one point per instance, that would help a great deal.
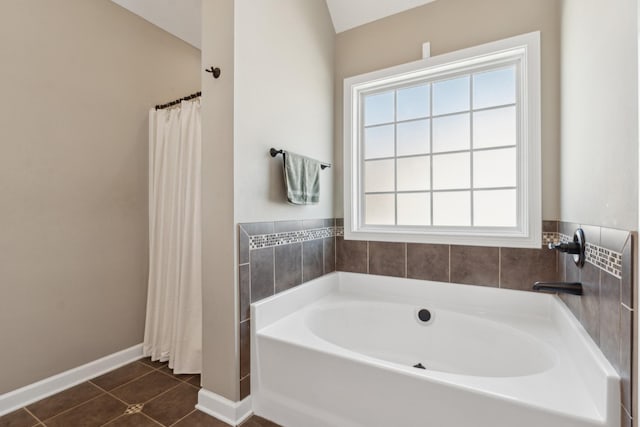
(570, 248)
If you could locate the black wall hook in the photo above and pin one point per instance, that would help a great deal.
(215, 71)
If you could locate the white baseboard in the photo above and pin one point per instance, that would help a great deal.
(26, 395)
(224, 409)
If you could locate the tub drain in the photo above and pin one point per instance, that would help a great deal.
(419, 366)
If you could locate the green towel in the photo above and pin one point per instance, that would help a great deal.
(302, 179)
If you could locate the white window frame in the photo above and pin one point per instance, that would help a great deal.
(524, 50)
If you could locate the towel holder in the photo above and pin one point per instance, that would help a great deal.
(275, 152)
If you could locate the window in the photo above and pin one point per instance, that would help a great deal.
(447, 149)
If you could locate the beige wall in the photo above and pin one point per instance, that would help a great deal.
(220, 347)
(451, 25)
(77, 79)
(276, 90)
(283, 99)
(599, 183)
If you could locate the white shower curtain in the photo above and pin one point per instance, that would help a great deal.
(173, 329)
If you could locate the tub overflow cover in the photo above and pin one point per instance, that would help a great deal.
(424, 315)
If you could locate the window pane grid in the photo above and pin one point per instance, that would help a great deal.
(469, 80)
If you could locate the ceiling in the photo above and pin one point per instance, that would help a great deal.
(178, 17)
(182, 17)
(347, 14)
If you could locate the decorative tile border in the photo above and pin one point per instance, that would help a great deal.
(260, 241)
(603, 258)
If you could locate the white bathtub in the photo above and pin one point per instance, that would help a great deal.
(341, 350)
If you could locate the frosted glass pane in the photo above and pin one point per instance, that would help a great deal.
(494, 208)
(494, 128)
(452, 209)
(413, 103)
(451, 171)
(413, 173)
(378, 176)
(451, 96)
(494, 168)
(414, 209)
(494, 88)
(413, 138)
(378, 108)
(380, 209)
(451, 133)
(378, 142)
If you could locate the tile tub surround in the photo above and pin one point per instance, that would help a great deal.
(274, 257)
(510, 268)
(606, 309)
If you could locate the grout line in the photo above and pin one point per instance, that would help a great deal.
(164, 392)
(273, 251)
(368, 257)
(177, 421)
(155, 421)
(114, 396)
(33, 415)
(406, 267)
(73, 407)
(301, 262)
(123, 384)
(626, 411)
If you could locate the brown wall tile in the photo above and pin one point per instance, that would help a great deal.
(626, 420)
(387, 259)
(245, 387)
(626, 291)
(428, 262)
(613, 239)
(288, 266)
(256, 228)
(590, 301)
(591, 234)
(626, 361)
(243, 246)
(567, 228)
(244, 291)
(312, 259)
(351, 255)
(474, 265)
(329, 245)
(261, 274)
(310, 224)
(284, 226)
(572, 275)
(610, 318)
(550, 226)
(245, 348)
(521, 268)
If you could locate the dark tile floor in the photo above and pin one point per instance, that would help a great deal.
(140, 394)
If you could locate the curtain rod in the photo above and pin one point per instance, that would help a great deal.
(178, 101)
